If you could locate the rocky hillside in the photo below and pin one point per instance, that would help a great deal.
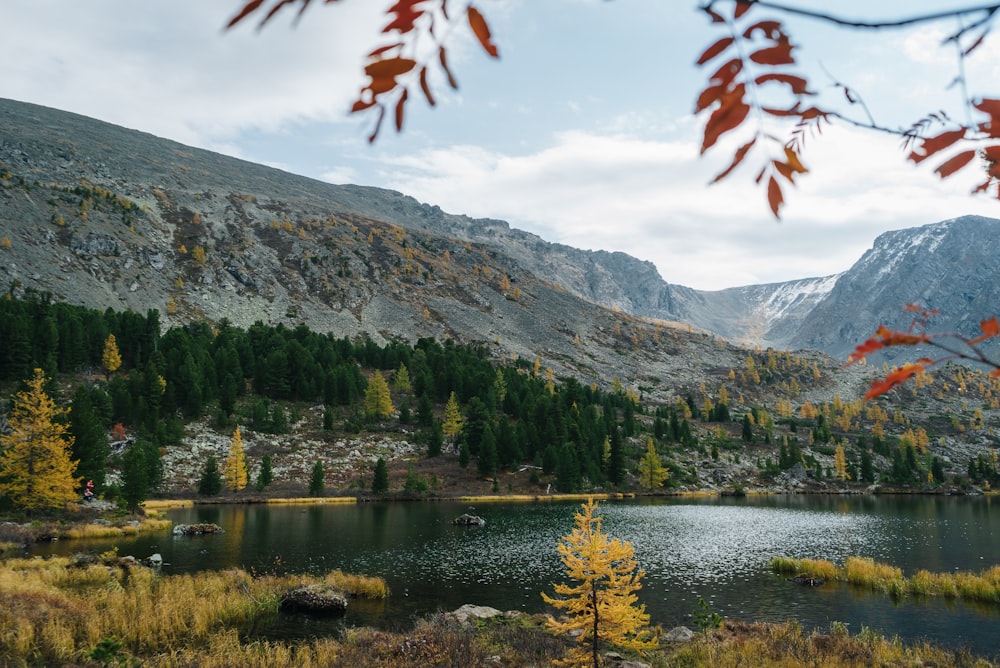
(106, 217)
(113, 217)
(951, 266)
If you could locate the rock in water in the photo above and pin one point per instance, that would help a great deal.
(314, 599)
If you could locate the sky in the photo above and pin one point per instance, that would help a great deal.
(582, 132)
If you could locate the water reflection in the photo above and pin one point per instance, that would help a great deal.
(717, 549)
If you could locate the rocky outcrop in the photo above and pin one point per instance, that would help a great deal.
(951, 266)
(314, 599)
(196, 529)
(467, 520)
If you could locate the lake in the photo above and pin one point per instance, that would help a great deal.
(715, 548)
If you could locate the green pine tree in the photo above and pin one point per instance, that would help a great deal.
(317, 482)
(380, 482)
(210, 483)
(264, 476)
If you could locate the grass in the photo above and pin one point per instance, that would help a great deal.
(787, 645)
(14, 535)
(541, 497)
(54, 613)
(314, 500)
(146, 524)
(983, 587)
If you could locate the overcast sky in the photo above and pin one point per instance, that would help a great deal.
(581, 133)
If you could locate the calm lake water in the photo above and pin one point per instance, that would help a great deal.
(715, 548)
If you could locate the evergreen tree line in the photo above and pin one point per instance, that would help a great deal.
(511, 414)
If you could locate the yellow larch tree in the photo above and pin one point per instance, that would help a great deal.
(602, 607)
(36, 471)
(236, 463)
(652, 474)
(111, 358)
(840, 463)
(401, 381)
(378, 402)
(452, 423)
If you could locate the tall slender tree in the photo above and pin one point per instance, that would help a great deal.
(652, 474)
(602, 606)
(236, 463)
(111, 358)
(265, 476)
(36, 471)
(452, 423)
(317, 481)
(378, 402)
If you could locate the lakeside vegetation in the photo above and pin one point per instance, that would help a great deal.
(982, 587)
(481, 425)
(56, 612)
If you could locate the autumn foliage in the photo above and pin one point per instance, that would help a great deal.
(952, 345)
(395, 68)
(602, 606)
(754, 83)
(36, 471)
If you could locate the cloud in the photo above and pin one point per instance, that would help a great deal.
(170, 69)
(651, 199)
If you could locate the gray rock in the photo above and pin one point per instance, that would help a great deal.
(196, 529)
(314, 599)
(469, 520)
(678, 634)
(469, 611)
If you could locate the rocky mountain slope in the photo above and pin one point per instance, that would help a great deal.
(951, 266)
(111, 218)
(280, 247)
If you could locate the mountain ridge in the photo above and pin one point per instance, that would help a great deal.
(180, 185)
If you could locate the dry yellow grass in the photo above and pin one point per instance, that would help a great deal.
(531, 498)
(166, 504)
(310, 500)
(982, 587)
(53, 613)
(148, 524)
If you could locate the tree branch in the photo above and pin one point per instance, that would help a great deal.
(989, 10)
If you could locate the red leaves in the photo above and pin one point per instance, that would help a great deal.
(917, 335)
(253, 5)
(897, 377)
(980, 134)
(714, 50)
(393, 68)
(990, 328)
(740, 85)
(932, 145)
(730, 113)
(482, 31)
(405, 14)
(774, 197)
(955, 163)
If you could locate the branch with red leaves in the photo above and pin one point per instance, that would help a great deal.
(394, 68)
(969, 348)
(758, 60)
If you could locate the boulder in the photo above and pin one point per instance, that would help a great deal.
(314, 599)
(678, 634)
(473, 612)
(196, 529)
(467, 520)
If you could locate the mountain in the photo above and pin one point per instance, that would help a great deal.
(106, 217)
(951, 266)
(101, 215)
